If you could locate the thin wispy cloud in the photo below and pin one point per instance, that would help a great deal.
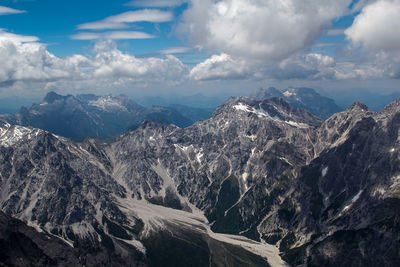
(175, 50)
(102, 25)
(325, 44)
(9, 11)
(335, 31)
(156, 3)
(121, 21)
(113, 35)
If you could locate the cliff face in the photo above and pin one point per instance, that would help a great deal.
(343, 209)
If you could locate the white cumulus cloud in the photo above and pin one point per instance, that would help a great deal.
(309, 66)
(220, 67)
(259, 29)
(26, 61)
(377, 26)
(375, 30)
(113, 63)
(23, 59)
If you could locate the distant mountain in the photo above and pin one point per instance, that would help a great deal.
(82, 116)
(301, 97)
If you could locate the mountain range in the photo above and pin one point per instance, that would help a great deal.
(82, 116)
(259, 183)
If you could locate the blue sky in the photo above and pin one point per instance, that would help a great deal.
(162, 46)
(54, 22)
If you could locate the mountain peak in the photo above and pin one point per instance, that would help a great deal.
(358, 106)
(51, 97)
(271, 109)
(392, 107)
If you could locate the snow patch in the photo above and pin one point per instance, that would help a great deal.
(353, 200)
(251, 137)
(199, 156)
(324, 171)
(288, 93)
(263, 114)
(190, 152)
(259, 112)
(285, 160)
(297, 124)
(245, 175)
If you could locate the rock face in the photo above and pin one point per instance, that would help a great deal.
(260, 169)
(343, 209)
(21, 245)
(301, 97)
(83, 116)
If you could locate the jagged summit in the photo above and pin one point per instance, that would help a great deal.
(392, 107)
(358, 106)
(52, 96)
